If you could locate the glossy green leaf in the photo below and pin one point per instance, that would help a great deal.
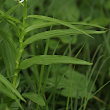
(10, 87)
(51, 59)
(58, 21)
(34, 97)
(56, 33)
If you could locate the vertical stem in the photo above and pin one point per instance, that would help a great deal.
(42, 69)
(69, 92)
(21, 38)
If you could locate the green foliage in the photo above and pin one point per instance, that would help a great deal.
(79, 82)
(2, 2)
(38, 69)
(35, 98)
(51, 59)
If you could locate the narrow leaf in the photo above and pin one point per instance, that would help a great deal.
(39, 25)
(10, 86)
(51, 59)
(58, 21)
(45, 24)
(7, 92)
(57, 33)
(12, 18)
(34, 97)
(14, 27)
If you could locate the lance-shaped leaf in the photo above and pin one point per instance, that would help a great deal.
(10, 87)
(57, 33)
(9, 93)
(14, 27)
(51, 59)
(45, 24)
(39, 25)
(12, 18)
(58, 21)
(34, 97)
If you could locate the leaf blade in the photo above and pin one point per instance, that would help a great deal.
(34, 97)
(51, 59)
(7, 92)
(58, 21)
(10, 87)
(39, 25)
(56, 33)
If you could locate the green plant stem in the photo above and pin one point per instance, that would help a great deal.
(42, 70)
(69, 92)
(21, 38)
